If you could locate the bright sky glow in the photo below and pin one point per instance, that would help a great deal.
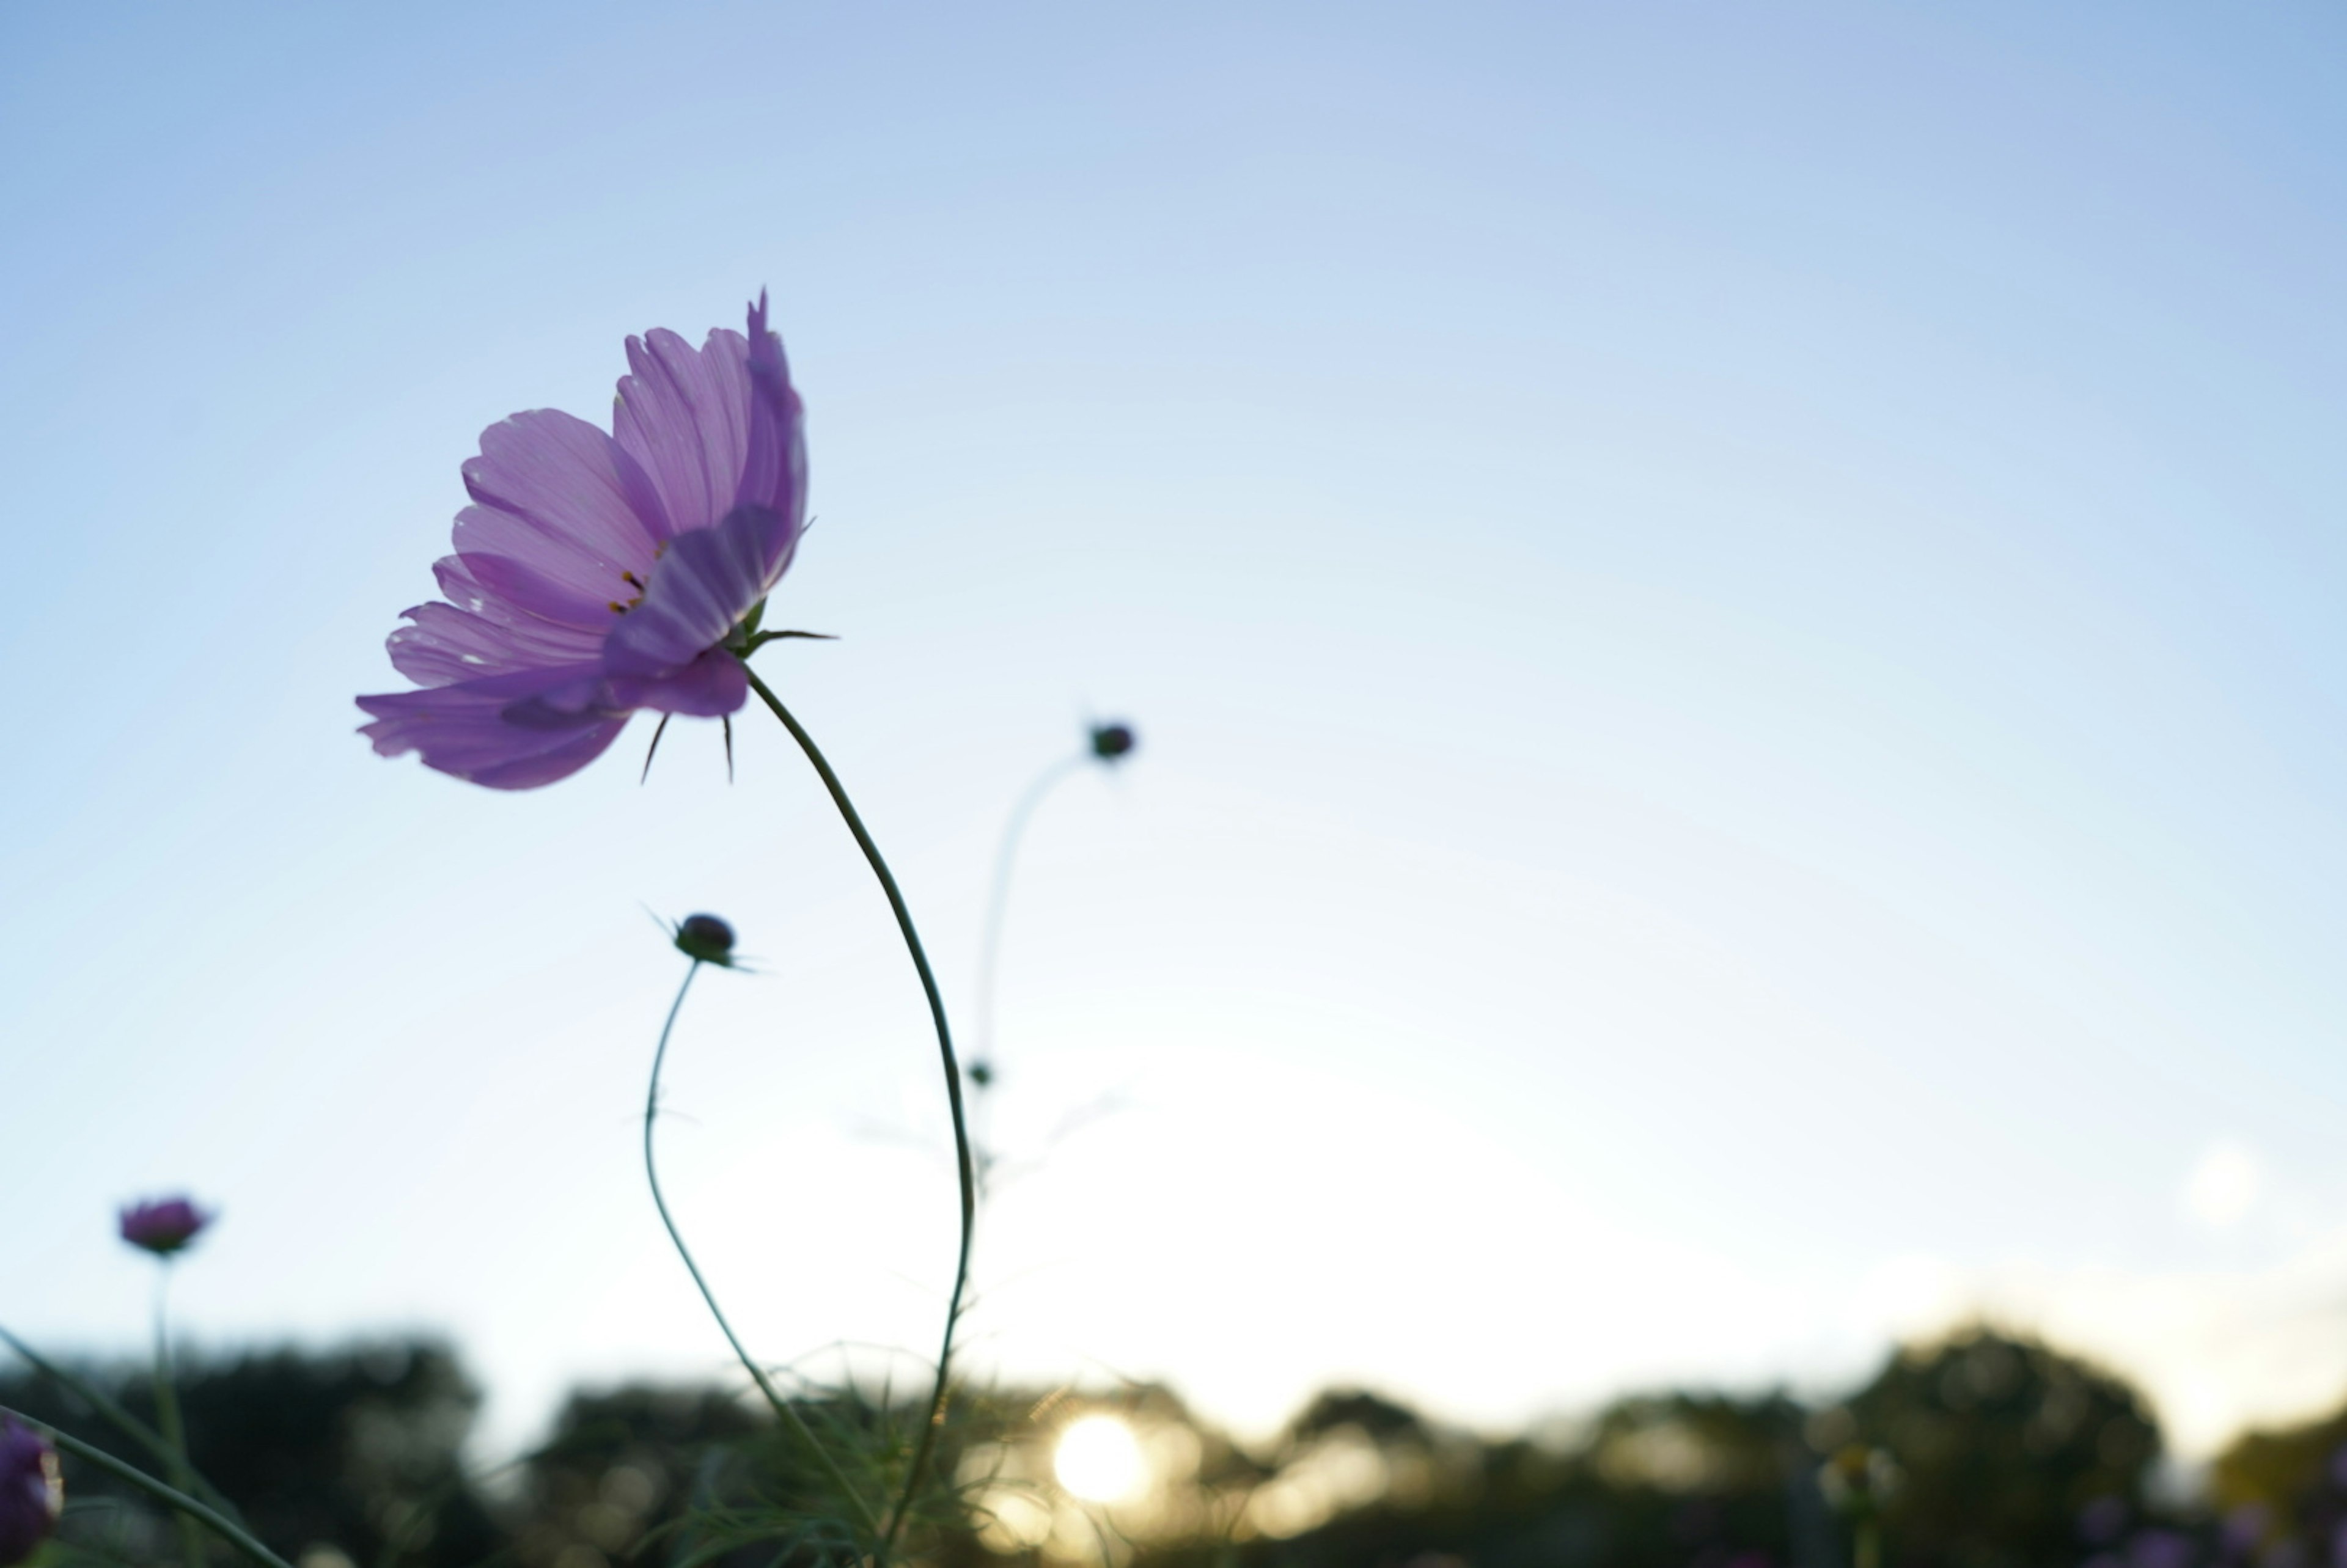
(1097, 1460)
(1734, 616)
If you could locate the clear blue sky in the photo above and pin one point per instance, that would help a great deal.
(1734, 613)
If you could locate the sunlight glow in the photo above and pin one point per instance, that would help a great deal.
(1097, 1460)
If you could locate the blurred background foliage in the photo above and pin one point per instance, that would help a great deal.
(354, 1456)
(1985, 1450)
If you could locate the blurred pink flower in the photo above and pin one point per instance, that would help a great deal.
(32, 1494)
(162, 1225)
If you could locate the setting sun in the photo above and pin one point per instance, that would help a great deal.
(1097, 1460)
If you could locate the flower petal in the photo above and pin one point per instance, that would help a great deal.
(550, 566)
(469, 593)
(774, 461)
(569, 498)
(469, 728)
(683, 415)
(446, 644)
(531, 593)
(556, 763)
(712, 684)
(706, 581)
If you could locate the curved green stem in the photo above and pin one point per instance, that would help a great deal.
(220, 1524)
(964, 1166)
(990, 946)
(783, 1410)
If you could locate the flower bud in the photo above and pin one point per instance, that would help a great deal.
(707, 938)
(1111, 742)
(32, 1493)
(980, 1073)
(162, 1225)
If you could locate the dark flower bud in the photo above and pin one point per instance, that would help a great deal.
(707, 938)
(979, 1073)
(32, 1493)
(162, 1225)
(1111, 742)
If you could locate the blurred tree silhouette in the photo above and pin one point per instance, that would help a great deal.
(2005, 1451)
(2286, 1489)
(1662, 1482)
(618, 1474)
(352, 1456)
(1372, 1415)
(2007, 1455)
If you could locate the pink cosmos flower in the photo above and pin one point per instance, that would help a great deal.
(32, 1495)
(162, 1225)
(595, 575)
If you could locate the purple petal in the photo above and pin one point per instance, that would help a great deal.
(446, 644)
(567, 704)
(554, 763)
(683, 415)
(706, 581)
(467, 593)
(712, 684)
(773, 463)
(485, 532)
(512, 730)
(566, 525)
(572, 484)
(532, 592)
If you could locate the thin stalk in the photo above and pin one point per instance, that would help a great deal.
(167, 1416)
(187, 1507)
(989, 947)
(963, 1165)
(783, 1410)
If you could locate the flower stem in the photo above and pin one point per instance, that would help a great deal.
(167, 1416)
(783, 1410)
(989, 949)
(964, 1167)
(188, 1507)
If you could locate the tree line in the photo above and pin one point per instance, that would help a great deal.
(1986, 1450)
